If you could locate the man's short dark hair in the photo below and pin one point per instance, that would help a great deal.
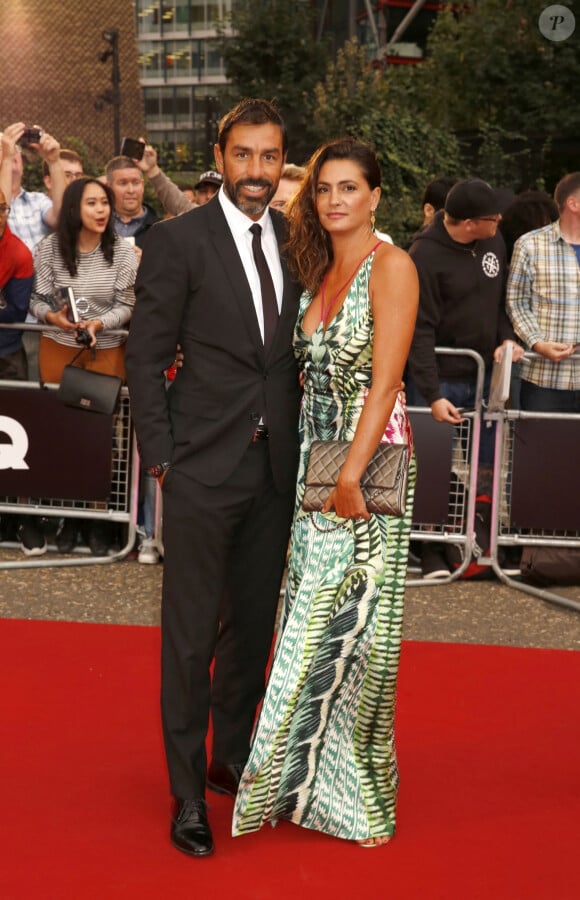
(436, 191)
(251, 111)
(567, 186)
(120, 162)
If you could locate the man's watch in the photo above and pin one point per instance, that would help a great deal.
(158, 470)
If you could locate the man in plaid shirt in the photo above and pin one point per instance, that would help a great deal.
(543, 303)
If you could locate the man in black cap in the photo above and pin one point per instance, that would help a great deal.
(207, 186)
(461, 261)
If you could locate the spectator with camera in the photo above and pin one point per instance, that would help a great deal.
(174, 199)
(33, 214)
(171, 196)
(72, 167)
(86, 256)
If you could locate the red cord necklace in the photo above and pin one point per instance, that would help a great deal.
(326, 310)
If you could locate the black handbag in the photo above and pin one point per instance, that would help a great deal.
(383, 485)
(93, 391)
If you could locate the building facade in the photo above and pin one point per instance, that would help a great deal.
(181, 69)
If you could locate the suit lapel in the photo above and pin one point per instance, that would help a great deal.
(233, 270)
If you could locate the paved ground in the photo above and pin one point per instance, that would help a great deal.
(128, 593)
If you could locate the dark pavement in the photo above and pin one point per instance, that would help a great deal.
(485, 612)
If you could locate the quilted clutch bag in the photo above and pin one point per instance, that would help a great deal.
(383, 485)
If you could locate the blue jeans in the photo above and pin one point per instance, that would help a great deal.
(148, 503)
(534, 398)
(462, 395)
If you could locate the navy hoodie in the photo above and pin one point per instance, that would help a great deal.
(461, 304)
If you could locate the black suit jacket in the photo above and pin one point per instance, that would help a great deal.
(191, 289)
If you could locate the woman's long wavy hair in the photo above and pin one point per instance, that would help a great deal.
(70, 223)
(309, 246)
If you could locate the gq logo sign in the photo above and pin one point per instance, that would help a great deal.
(13, 453)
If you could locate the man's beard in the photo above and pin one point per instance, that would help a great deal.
(248, 206)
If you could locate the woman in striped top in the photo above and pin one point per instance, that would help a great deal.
(86, 255)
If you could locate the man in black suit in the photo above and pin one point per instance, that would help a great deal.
(223, 440)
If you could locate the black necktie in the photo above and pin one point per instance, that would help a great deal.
(269, 302)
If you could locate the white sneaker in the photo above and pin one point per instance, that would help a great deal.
(148, 552)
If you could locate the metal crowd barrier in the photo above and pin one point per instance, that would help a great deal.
(536, 488)
(445, 495)
(52, 455)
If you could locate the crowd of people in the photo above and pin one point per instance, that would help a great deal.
(70, 237)
(294, 321)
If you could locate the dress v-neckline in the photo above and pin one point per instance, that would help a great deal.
(321, 324)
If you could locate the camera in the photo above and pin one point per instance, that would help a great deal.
(82, 336)
(132, 148)
(31, 136)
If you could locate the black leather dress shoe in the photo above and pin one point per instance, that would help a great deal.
(224, 778)
(190, 831)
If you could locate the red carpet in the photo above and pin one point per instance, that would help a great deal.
(489, 807)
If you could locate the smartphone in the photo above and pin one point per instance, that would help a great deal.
(67, 296)
(31, 136)
(132, 148)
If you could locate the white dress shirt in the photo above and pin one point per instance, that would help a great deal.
(239, 224)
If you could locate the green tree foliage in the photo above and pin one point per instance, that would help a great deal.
(355, 99)
(491, 76)
(274, 55)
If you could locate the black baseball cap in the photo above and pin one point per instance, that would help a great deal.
(210, 177)
(473, 198)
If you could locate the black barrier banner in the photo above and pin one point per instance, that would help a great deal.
(545, 487)
(48, 450)
(434, 449)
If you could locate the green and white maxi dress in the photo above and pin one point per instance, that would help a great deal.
(323, 753)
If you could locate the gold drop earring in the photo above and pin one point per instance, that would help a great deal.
(372, 220)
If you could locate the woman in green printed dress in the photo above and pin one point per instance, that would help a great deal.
(323, 754)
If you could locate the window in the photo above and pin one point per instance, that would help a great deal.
(159, 106)
(151, 60)
(175, 15)
(183, 104)
(178, 59)
(214, 62)
(148, 16)
(205, 14)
